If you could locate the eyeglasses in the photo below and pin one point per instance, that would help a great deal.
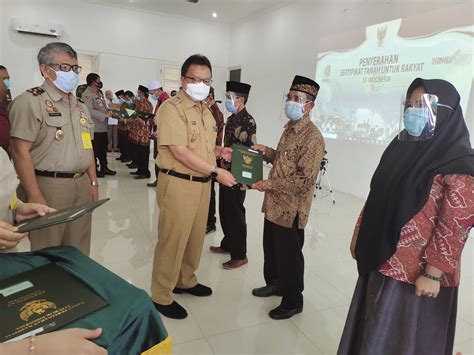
(194, 80)
(67, 67)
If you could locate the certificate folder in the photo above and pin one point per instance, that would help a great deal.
(42, 300)
(247, 164)
(118, 114)
(63, 216)
(144, 115)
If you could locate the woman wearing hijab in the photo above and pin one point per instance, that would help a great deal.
(411, 233)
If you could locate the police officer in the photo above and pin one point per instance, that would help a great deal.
(52, 147)
(187, 161)
(100, 116)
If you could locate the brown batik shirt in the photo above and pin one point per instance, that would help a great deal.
(241, 129)
(290, 186)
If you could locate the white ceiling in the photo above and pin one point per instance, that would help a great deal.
(228, 11)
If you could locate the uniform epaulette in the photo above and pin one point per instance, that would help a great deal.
(174, 100)
(36, 91)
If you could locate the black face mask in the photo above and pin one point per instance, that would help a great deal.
(99, 84)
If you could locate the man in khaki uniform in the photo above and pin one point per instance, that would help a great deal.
(187, 160)
(94, 101)
(52, 147)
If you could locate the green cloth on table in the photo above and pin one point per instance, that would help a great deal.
(130, 323)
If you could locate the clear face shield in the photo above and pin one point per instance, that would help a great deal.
(231, 103)
(418, 117)
(295, 105)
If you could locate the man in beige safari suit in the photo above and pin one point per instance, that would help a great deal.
(187, 160)
(52, 147)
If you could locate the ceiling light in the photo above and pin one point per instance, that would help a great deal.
(214, 14)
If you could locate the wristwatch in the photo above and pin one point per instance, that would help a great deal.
(214, 172)
(94, 183)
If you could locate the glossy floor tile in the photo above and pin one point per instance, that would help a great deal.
(232, 321)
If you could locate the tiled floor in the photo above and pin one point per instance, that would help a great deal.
(232, 320)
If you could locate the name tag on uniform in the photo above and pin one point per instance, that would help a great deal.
(86, 140)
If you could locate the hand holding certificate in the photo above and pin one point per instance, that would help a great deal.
(247, 164)
(58, 217)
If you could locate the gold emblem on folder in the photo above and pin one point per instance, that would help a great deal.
(35, 307)
(248, 159)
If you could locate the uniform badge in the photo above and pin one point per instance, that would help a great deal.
(35, 91)
(193, 123)
(59, 134)
(55, 109)
(82, 121)
(48, 103)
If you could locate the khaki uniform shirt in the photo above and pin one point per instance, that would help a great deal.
(38, 114)
(181, 121)
(291, 181)
(98, 110)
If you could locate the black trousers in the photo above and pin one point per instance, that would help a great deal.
(155, 154)
(143, 153)
(124, 146)
(283, 264)
(133, 152)
(234, 226)
(211, 217)
(100, 149)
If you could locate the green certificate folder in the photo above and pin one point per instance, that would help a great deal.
(144, 115)
(42, 300)
(63, 216)
(118, 114)
(247, 164)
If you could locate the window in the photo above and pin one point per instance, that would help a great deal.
(171, 78)
(234, 74)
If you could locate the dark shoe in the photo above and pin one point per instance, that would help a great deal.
(210, 229)
(152, 184)
(218, 250)
(118, 158)
(198, 290)
(99, 174)
(142, 177)
(281, 313)
(107, 171)
(234, 264)
(173, 310)
(132, 166)
(133, 172)
(266, 291)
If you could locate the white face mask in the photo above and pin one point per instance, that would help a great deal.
(198, 92)
(66, 81)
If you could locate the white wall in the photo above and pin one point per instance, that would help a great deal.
(131, 45)
(274, 47)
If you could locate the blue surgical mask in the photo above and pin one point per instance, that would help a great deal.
(154, 97)
(137, 98)
(230, 106)
(415, 119)
(293, 110)
(6, 83)
(66, 81)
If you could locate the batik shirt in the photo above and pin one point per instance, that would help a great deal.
(437, 234)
